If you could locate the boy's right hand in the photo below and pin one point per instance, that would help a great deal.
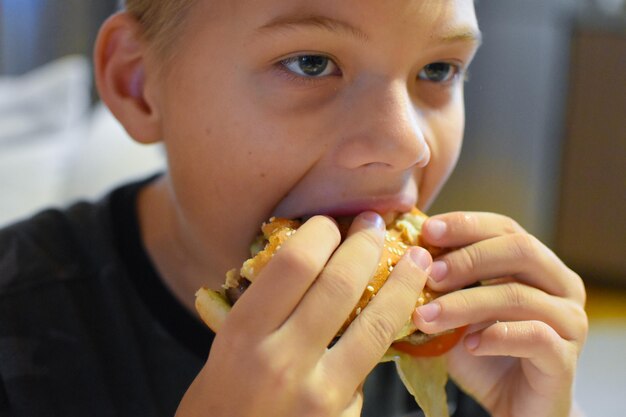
(271, 358)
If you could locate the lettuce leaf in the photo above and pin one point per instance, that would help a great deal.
(425, 378)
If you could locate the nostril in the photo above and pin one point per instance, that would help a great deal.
(376, 165)
(424, 158)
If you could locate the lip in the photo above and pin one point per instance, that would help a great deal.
(351, 208)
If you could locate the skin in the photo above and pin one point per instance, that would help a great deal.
(249, 136)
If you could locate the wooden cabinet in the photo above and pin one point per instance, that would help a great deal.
(591, 225)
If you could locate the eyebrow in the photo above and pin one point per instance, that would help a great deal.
(463, 35)
(315, 21)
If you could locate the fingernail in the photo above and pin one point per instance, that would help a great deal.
(374, 219)
(472, 341)
(421, 258)
(429, 312)
(436, 228)
(439, 271)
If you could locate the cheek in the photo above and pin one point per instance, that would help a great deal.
(449, 147)
(222, 163)
(445, 142)
(217, 174)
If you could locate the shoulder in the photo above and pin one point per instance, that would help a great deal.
(50, 246)
(60, 245)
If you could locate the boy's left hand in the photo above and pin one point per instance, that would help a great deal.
(527, 319)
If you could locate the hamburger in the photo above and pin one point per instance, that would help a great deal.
(417, 355)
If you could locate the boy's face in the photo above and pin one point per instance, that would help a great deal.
(292, 108)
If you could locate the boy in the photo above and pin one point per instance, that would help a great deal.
(293, 109)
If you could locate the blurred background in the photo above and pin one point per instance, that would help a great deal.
(545, 141)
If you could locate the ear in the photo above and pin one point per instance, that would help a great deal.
(120, 71)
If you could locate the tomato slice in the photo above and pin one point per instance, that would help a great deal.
(435, 347)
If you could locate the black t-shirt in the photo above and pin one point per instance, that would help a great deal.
(87, 328)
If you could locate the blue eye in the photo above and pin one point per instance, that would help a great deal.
(310, 65)
(439, 72)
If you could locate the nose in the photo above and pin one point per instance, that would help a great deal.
(386, 130)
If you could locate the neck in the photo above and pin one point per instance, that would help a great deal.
(181, 267)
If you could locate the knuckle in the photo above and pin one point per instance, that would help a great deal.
(564, 353)
(409, 283)
(462, 301)
(578, 289)
(584, 330)
(525, 246)
(510, 226)
(340, 280)
(578, 316)
(278, 370)
(380, 328)
(516, 295)
(544, 334)
(318, 401)
(468, 259)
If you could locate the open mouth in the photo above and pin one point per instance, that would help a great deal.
(388, 207)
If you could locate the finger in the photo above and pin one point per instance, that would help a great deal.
(519, 255)
(369, 336)
(533, 340)
(355, 406)
(286, 278)
(337, 290)
(505, 302)
(457, 229)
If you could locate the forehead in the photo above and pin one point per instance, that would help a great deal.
(449, 18)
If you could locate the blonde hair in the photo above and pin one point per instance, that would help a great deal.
(161, 20)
